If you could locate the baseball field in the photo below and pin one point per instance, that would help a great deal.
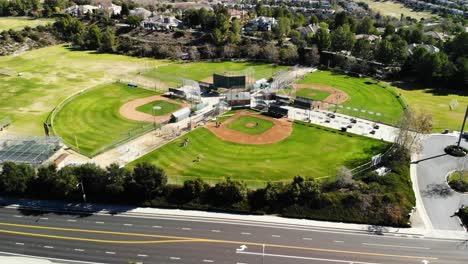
(310, 151)
(18, 23)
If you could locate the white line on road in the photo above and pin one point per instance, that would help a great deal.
(240, 263)
(157, 226)
(79, 249)
(398, 246)
(44, 218)
(338, 241)
(175, 258)
(128, 224)
(56, 259)
(305, 258)
(216, 231)
(20, 244)
(142, 255)
(186, 228)
(245, 233)
(99, 222)
(275, 236)
(110, 252)
(208, 261)
(306, 238)
(48, 247)
(71, 220)
(18, 216)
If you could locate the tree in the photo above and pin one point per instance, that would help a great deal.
(93, 179)
(14, 178)
(362, 49)
(411, 128)
(193, 53)
(312, 55)
(148, 180)
(60, 184)
(322, 39)
(270, 53)
(209, 51)
(93, 39)
(303, 191)
(282, 28)
(109, 41)
(125, 10)
(230, 192)
(289, 54)
(389, 30)
(344, 176)
(366, 26)
(342, 39)
(253, 51)
(133, 21)
(115, 180)
(218, 37)
(194, 189)
(228, 51)
(234, 36)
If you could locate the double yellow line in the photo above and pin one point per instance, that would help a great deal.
(174, 239)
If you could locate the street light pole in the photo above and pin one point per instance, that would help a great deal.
(463, 127)
(82, 190)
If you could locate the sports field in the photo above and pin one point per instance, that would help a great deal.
(251, 125)
(92, 121)
(364, 93)
(310, 151)
(50, 75)
(17, 23)
(165, 107)
(201, 71)
(312, 94)
(437, 103)
(395, 9)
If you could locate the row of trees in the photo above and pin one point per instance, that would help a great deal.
(34, 8)
(365, 198)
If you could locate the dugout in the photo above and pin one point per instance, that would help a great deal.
(174, 92)
(282, 99)
(180, 115)
(230, 82)
(277, 111)
(302, 102)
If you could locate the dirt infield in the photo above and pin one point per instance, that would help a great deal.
(281, 130)
(336, 95)
(129, 111)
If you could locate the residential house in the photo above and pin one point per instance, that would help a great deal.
(429, 48)
(437, 35)
(371, 38)
(261, 24)
(81, 10)
(141, 12)
(161, 22)
(309, 29)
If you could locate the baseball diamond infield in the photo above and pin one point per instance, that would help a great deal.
(129, 110)
(336, 96)
(281, 129)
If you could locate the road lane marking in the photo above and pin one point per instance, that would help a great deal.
(79, 249)
(99, 223)
(398, 246)
(178, 239)
(44, 218)
(186, 228)
(245, 233)
(50, 247)
(18, 216)
(110, 252)
(305, 258)
(208, 261)
(157, 226)
(128, 224)
(275, 236)
(20, 244)
(175, 258)
(216, 231)
(71, 220)
(142, 255)
(54, 259)
(337, 241)
(306, 238)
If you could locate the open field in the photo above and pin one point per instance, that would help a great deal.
(166, 108)
(438, 105)
(92, 121)
(172, 74)
(312, 94)
(395, 9)
(17, 23)
(251, 125)
(321, 149)
(364, 93)
(50, 75)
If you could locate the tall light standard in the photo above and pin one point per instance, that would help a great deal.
(82, 190)
(463, 128)
(154, 109)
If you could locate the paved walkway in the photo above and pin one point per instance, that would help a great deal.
(433, 165)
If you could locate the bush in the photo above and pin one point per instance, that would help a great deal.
(456, 151)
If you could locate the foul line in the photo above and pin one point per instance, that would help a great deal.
(177, 239)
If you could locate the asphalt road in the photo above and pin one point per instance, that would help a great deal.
(433, 166)
(175, 239)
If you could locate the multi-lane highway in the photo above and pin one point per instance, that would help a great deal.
(103, 238)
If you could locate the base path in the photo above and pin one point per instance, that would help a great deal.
(129, 110)
(282, 129)
(336, 95)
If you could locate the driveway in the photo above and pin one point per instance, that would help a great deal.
(433, 165)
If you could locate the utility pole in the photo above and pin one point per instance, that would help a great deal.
(463, 128)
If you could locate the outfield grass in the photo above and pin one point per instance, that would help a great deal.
(92, 121)
(50, 75)
(248, 125)
(311, 151)
(172, 74)
(312, 94)
(364, 93)
(166, 108)
(395, 9)
(437, 104)
(18, 23)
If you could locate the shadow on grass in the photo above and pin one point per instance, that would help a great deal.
(430, 89)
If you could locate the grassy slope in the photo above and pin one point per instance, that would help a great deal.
(52, 74)
(240, 125)
(93, 117)
(166, 108)
(313, 94)
(364, 93)
(394, 9)
(18, 23)
(437, 105)
(172, 74)
(309, 151)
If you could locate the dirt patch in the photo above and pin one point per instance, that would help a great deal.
(250, 125)
(336, 96)
(208, 79)
(128, 110)
(282, 129)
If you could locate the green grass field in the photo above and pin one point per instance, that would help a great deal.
(426, 101)
(364, 93)
(248, 125)
(311, 151)
(395, 9)
(18, 23)
(172, 74)
(92, 121)
(50, 75)
(166, 108)
(312, 94)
